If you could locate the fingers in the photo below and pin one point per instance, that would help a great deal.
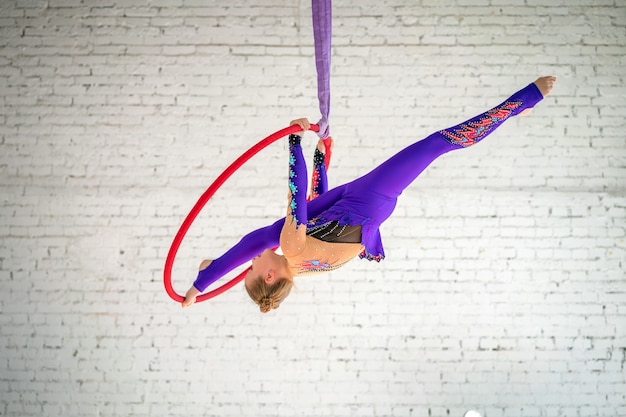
(303, 123)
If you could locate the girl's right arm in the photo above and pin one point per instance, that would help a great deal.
(319, 179)
(293, 234)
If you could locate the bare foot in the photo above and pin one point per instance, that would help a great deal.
(205, 264)
(545, 84)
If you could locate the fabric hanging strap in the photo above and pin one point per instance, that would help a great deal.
(322, 33)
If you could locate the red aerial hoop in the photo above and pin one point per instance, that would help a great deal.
(204, 198)
(322, 28)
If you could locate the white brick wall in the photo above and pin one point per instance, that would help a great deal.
(504, 287)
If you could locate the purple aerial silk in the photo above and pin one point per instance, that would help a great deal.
(322, 33)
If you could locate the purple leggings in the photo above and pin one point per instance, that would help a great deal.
(370, 199)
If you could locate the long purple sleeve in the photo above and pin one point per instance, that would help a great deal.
(297, 181)
(251, 245)
(319, 183)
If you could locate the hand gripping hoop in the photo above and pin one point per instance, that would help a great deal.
(204, 198)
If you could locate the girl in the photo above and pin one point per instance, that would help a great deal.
(325, 233)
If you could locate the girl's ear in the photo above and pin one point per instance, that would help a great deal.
(270, 277)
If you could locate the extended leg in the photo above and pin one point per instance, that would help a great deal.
(394, 175)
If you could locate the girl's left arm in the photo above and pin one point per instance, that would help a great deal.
(293, 234)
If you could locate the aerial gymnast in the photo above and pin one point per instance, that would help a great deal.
(325, 233)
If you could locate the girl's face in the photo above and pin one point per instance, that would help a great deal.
(263, 267)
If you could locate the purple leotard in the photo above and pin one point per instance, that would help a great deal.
(369, 200)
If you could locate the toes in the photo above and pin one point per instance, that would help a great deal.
(545, 84)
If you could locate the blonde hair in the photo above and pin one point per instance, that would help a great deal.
(269, 297)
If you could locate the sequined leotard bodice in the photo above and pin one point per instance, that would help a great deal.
(326, 248)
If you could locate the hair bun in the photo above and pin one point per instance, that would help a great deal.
(267, 303)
